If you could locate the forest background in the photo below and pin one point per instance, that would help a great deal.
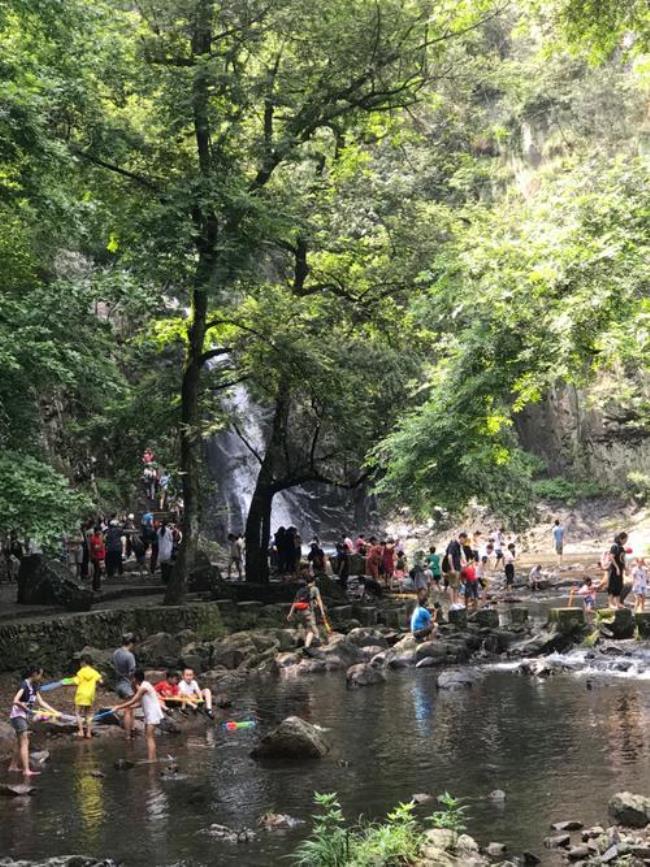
(416, 231)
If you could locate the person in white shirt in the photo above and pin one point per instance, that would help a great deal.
(189, 690)
(236, 554)
(165, 551)
(509, 565)
(152, 712)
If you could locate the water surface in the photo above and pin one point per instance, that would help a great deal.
(558, 747)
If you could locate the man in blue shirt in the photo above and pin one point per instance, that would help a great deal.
(558, 539)
(422, 623)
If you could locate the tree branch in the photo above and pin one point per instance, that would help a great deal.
(248, 445)
(142, 180)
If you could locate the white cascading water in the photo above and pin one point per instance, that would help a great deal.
(234, 469)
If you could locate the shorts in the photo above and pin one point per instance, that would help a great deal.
(84, 709)
(308, 619)
(590, 603)
(453, 580)
(124, 689)
(510, 573)
(559, 547)
(471, 590)
(19, 724)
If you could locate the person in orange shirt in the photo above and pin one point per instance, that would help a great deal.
(374, 558)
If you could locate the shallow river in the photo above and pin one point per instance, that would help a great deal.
(558, 748)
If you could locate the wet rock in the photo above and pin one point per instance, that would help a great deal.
(486, 617)
(99, 775)
(457, 617)
(495, 850)
(369, 652)
(466, 845)
(460, 679)
(629, 809)
(558, 841)
(428, 662)
(570, 825)
(368, 636)
(279, 822)
(61, 861)
(17, 790)
(123, 765)
(293, 739)
(530, 859)
(497, 795)
(403, 653)
(422, 798)
(364, 674)
(577, 853)
(610, 855)
(39, 757)
(229, 835)
(441, 838)
(618, 623)
(592, 833)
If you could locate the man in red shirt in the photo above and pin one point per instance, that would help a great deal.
(168, 689)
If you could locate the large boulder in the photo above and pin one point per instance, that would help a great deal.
(628, 809)
(205, 576)
(293, 739)
(364, 674)
(403, 653)
(366, 636)
(160, 649)
(48, 582)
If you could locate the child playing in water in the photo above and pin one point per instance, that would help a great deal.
(86, 680)
(22, 707)
(639, 584)
(588, 593)
(147, 697)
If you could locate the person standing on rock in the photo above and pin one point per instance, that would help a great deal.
(124, 665)
(558, 540)
(452, 564)
(307, 601)
(509, 566)
(616, 572)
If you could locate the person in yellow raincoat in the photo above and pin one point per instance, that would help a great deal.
(86, 681)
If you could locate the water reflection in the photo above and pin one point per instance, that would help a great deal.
(557, 748)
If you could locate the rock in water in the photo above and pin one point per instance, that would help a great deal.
(39, 757)
(279, 822)
(123, 765)
(570, 825)
(455, 679)
(497, 795)
(229, 835)
(293, 739)
(364, 674)
(630, 810)
(20, 790)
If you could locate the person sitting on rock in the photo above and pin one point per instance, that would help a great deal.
(535, 579)
(422, 623)
(169, 689)
(307, 600)
(192, 694)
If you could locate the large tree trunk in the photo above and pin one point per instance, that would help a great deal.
(190, 450)
(206, 242)
(258, 522)
(258, 531)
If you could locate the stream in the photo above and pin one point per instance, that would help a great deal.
(559, 747)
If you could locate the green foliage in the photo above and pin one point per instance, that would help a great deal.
(35, 500)
(567, 491)
(640, 484)
(452, 817)
(396, 841)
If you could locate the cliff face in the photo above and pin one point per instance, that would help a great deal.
(576, 436)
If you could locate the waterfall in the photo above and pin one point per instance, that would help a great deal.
(313, 509)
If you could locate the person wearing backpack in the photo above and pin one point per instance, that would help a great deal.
(307, 600)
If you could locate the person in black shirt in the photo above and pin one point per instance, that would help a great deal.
(616, 571)
(454, 560)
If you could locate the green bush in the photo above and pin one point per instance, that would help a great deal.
(567, 491)
(396, 841)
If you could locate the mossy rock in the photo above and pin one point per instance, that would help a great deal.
(567, 620)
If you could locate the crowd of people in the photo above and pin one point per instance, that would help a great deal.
(177, 693)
